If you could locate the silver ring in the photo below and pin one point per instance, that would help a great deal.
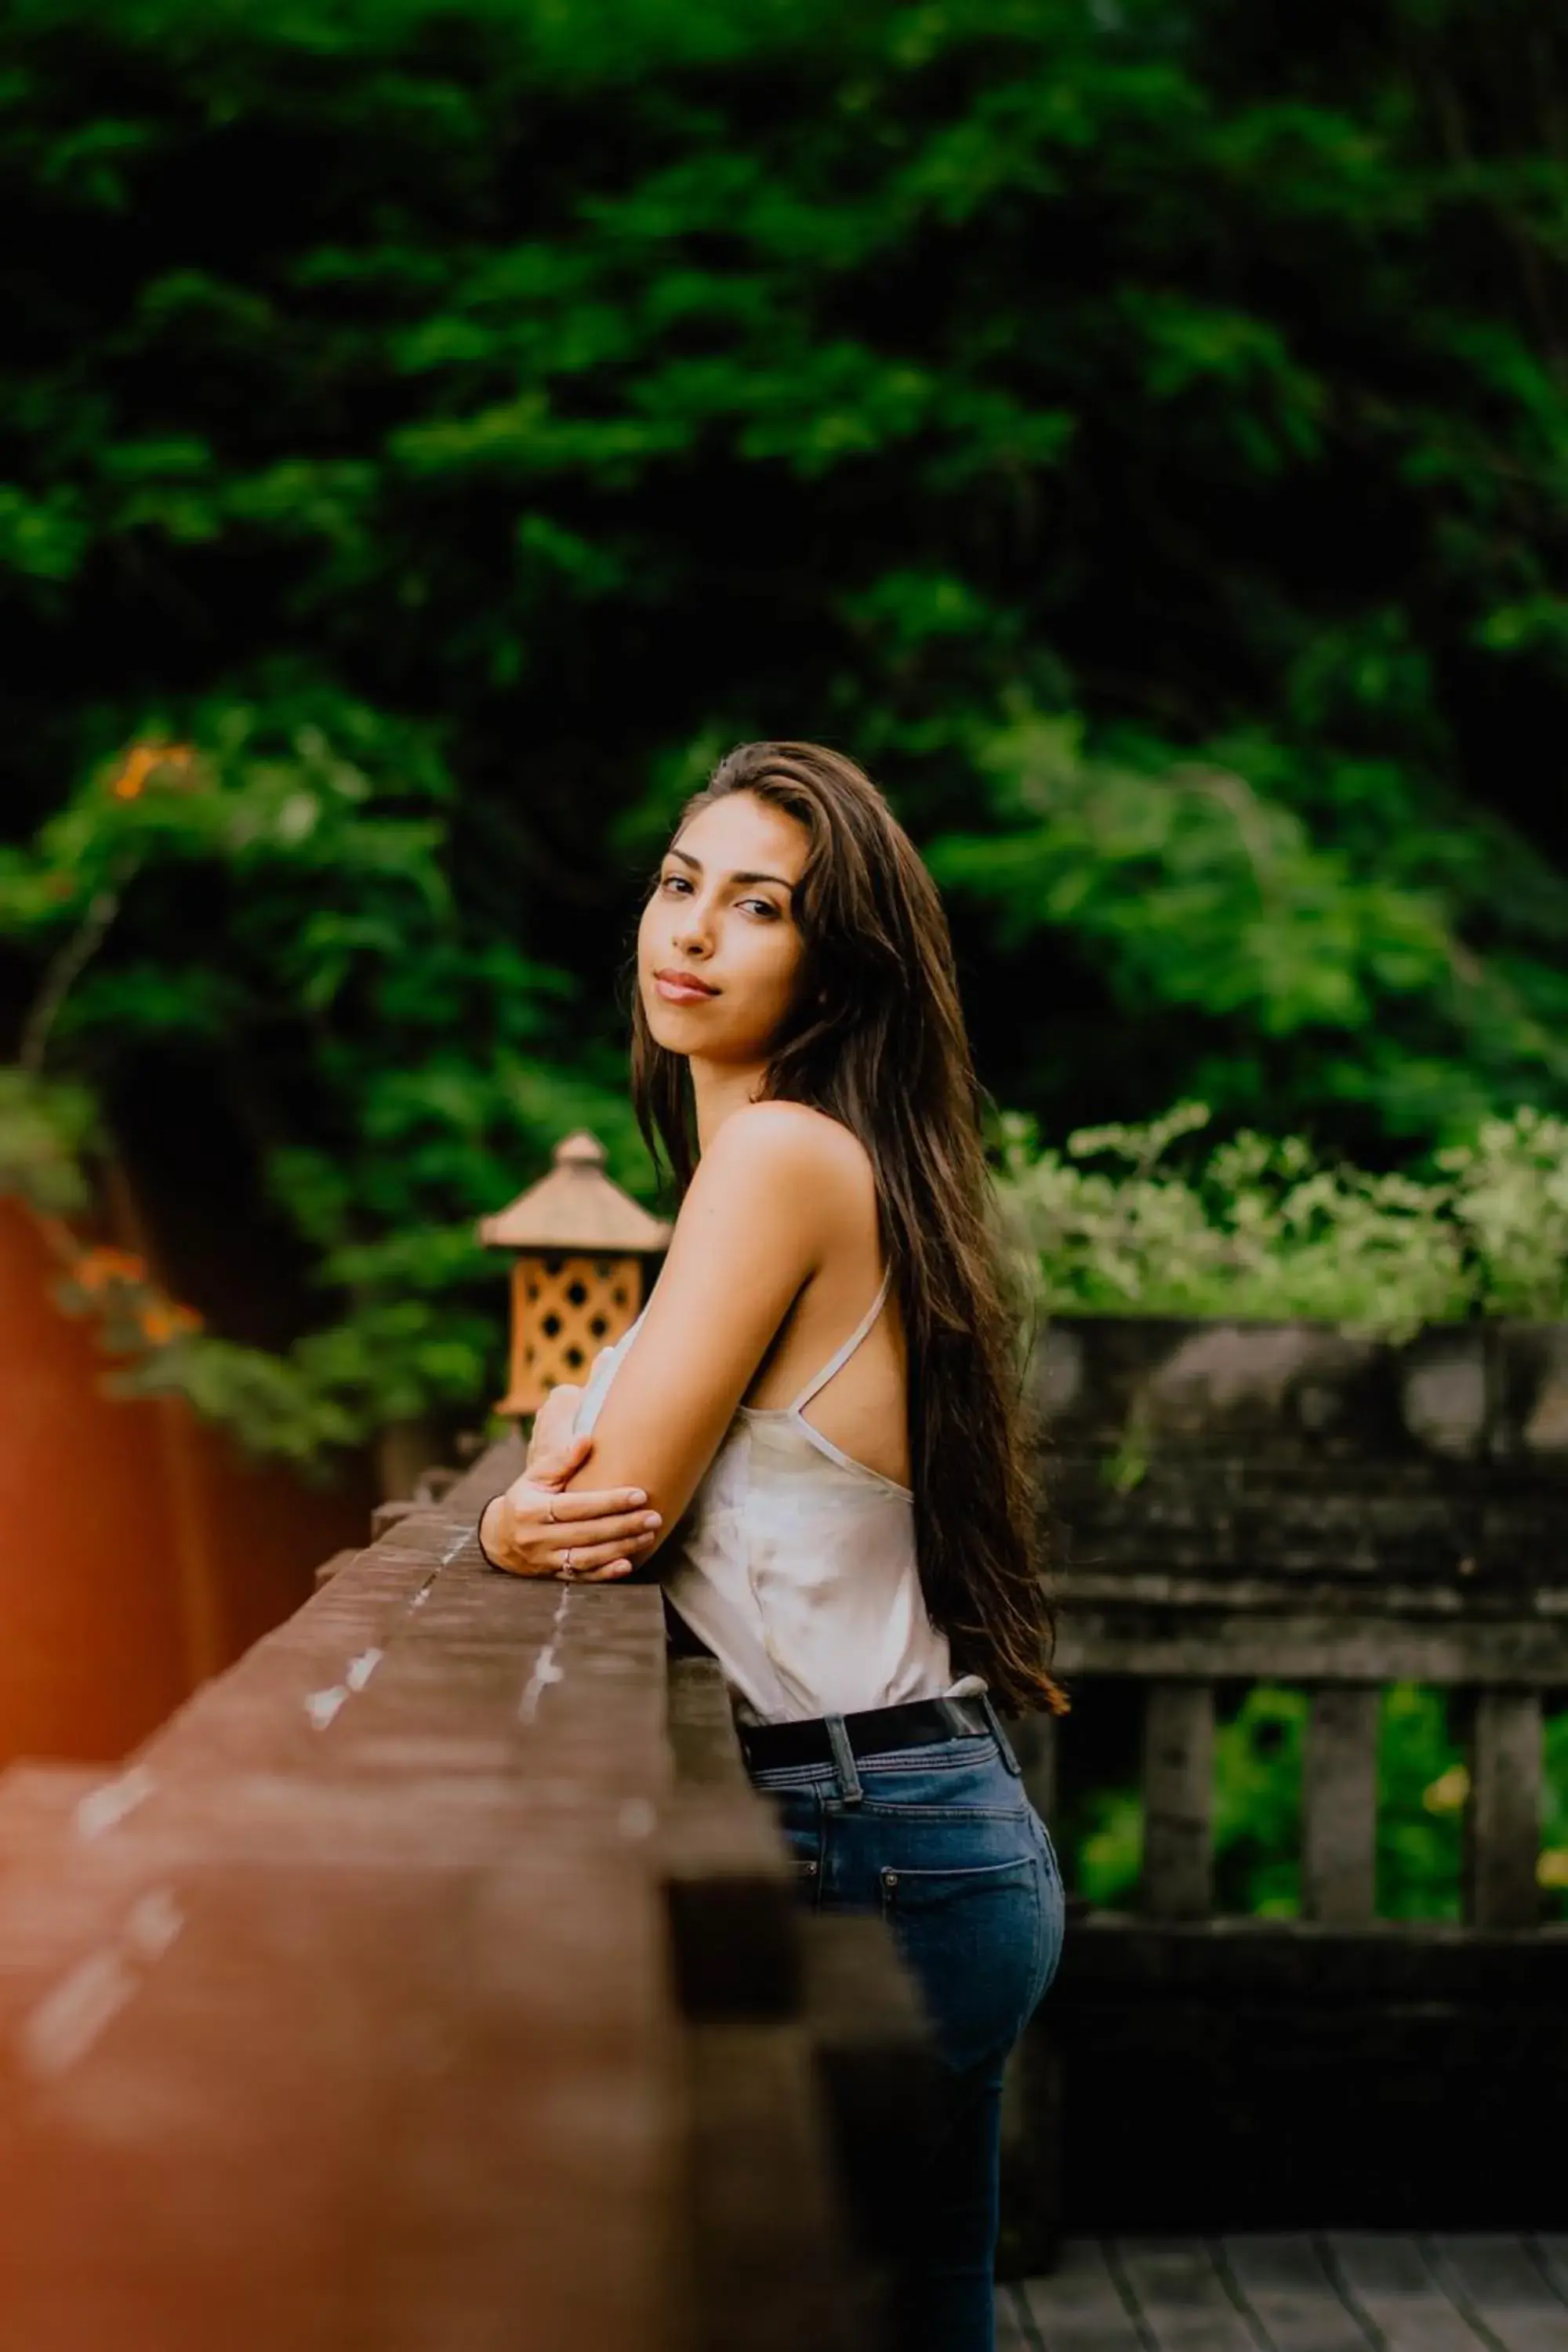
(566, 1561)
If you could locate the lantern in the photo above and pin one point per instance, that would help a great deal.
(577, 1281)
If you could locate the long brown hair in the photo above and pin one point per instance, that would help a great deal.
(878, 1041)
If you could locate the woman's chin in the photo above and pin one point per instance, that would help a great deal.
(672, 1025)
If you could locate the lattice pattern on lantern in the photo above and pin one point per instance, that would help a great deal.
(565, 1307)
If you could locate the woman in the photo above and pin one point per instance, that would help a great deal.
(864, 1575)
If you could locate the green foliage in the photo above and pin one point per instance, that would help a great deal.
(1511, 1196)
(1262, 1229)
(851, 371)
(302, 844)
(1141, 440)
(1422, 1787)
(1196, 890)
(44, 1131)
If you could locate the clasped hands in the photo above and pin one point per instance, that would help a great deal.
(591, 1537)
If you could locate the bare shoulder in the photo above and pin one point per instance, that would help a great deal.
(803, 1174)
(789, 1142)
(772, 1201)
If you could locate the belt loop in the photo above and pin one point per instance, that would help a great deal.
(1003, 1742)
(849, 1789)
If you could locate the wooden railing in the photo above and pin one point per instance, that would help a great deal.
(435, 1978)
(1287, 1506)
(1178, 1637)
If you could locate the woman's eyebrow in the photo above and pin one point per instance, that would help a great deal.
(696, 866)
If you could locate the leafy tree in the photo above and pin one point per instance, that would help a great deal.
(1135, 426)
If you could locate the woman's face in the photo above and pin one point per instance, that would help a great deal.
(720, 913)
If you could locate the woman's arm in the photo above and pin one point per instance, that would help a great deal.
(752, 1231)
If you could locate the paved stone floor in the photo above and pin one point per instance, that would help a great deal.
(1339, 2291)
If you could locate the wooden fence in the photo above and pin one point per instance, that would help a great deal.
(1283, 1504)
(434, 1979)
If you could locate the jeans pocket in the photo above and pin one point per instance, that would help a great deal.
(1053, 1913)
(975, 1942)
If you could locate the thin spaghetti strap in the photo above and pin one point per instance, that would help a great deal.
(843, 1354)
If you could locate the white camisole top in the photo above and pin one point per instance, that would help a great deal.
(796, 1564)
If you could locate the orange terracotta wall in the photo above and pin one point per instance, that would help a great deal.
(138, 1553)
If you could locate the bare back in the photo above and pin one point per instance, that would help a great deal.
(863, 1408)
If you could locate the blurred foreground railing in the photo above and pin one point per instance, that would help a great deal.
(1288, 1505)
(434, 1979)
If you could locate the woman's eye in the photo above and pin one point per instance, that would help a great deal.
(764, 907)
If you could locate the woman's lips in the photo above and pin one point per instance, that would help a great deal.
(681, 992)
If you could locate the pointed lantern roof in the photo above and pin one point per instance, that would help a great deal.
(575, 1207)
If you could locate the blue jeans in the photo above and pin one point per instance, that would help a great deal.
(944, 1843)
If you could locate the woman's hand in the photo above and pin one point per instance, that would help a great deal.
(591, 1537)
(553, 1422)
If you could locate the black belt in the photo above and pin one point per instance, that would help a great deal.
(873, 1731)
